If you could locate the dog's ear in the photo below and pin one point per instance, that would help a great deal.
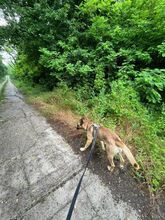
(84, 118)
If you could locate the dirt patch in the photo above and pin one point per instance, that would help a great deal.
(121, 182)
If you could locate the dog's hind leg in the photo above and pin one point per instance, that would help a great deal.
(121, 161)
(102, 145)
(110, 158)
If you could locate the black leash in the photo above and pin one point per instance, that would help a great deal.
(95, 132)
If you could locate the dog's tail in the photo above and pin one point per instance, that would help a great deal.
(130, 157)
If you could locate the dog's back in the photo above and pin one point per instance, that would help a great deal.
(110, 137)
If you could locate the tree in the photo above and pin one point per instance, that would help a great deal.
(88, 43)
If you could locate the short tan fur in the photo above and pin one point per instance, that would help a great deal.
(110, 142)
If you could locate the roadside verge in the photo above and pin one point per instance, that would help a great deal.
(62, 111)
(2, 87)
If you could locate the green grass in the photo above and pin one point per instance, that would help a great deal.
(2, 87)
(120, 110)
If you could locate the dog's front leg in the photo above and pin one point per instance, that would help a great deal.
(86, 145)
(88, 142)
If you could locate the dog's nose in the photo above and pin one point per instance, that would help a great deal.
(78, 126)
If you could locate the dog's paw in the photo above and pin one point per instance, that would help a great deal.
(110, 168)
(82, 149)
(121, 167)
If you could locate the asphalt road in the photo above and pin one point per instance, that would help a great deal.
(39, 171)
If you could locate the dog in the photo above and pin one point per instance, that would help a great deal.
(110, 142)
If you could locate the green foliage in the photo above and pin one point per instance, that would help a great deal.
(150, 84)
(161, 49)
(2, 87)
(91, 43)
(3, 68)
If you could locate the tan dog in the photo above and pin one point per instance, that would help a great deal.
(109, 142)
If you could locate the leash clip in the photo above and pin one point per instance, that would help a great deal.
(95, 128)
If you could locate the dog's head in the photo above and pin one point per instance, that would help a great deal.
(83, 123)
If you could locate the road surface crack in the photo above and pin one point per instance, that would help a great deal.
(42, 198)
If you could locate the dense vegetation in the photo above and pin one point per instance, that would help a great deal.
(3, 72)
(111, 54)
(3, 69)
